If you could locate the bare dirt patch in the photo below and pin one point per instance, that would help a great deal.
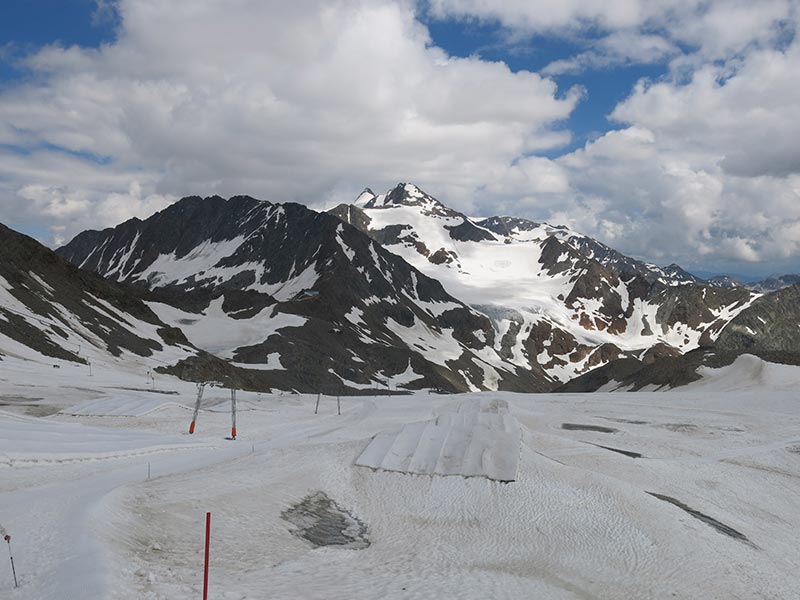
(321, 521)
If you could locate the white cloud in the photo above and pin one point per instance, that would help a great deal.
(705, 168)
(285, 101)
(311, 101)
(545, 15)
(620, 32)
(747, 113)
(618, 48)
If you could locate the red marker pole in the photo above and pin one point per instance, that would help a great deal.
(205, 570)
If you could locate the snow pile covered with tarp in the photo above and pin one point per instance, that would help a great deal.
(480, 439)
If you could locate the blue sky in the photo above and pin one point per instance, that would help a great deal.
(29, 24)
(116, 108)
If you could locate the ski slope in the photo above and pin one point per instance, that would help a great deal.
(580, 520)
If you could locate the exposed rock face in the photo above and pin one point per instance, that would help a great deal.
(767, 328)
(770, 325)
(54, 309)
(724, 281)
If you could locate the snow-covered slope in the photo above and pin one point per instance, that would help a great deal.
(709, 511)
(747, 373)
(555, 297)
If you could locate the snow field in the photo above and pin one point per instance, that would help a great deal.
(577, 522)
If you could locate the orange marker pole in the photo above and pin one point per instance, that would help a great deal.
(205, 569)
(233, 414)
(200, 388)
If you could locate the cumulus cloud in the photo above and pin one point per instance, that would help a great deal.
(311, 101)
(702, 173)
(748, 112)
(710, 166)
(286, 101)
(704, 169)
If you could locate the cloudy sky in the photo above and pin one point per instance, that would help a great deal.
(668, 129)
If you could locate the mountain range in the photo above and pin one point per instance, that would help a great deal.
(394, 291)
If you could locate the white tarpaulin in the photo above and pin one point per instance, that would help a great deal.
(481, 439)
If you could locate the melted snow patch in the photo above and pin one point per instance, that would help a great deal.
(404, 378)
(287, 290)
(273, 364)
(355, 316)
(481, 439)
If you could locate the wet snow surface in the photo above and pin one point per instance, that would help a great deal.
(709, 511)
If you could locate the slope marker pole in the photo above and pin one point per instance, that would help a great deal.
(13, 570)
(316, 408)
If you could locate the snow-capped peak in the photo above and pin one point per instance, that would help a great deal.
(408, 194)
(364, 198)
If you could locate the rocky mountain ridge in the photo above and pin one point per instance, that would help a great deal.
(398, 291)
(561, 300)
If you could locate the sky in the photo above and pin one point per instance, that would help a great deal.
(667, 129)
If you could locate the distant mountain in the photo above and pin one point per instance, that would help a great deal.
(725, 281)
(397, 290)
(557, 298)
(53, 312)
(764, 286)
(767, 329)
(772, 284)
(301, 296)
